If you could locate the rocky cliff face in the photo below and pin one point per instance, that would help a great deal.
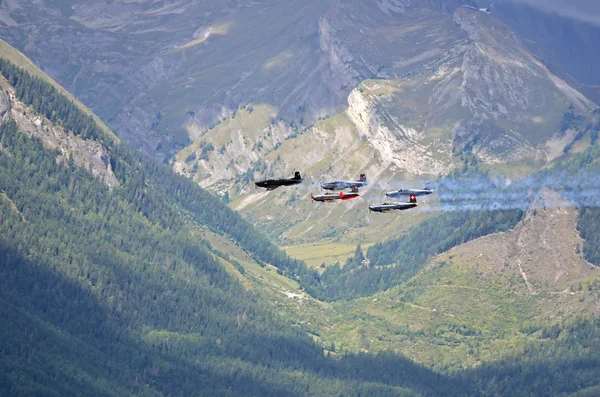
(87, 154)
(164, 72)
(482, 91)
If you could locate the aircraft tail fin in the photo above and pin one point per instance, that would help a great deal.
(363, 177)
(413, 198)
(297, 175)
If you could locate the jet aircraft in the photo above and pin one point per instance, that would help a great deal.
(407, 192)
(341, 185)
(332, 196)
(387, 207)
(272, 184)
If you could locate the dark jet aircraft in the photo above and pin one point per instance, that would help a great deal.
(407, 192)
(272, 184)
(341, 185)
(334, 196)
(387, 207)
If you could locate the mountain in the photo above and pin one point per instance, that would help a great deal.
(110, 284)
(394, 89)
(564, 44)
(163, 72)
(120, 277)
(443, 86)
(487, 300)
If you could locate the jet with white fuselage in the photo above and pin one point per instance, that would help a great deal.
(408, 192)
(341, 185)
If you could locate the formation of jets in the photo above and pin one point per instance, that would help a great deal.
(353, 186)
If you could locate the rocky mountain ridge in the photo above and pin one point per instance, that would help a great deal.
(463, 82)
(474, 305)
(162, 71)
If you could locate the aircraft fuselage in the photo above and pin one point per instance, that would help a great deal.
(408, 192)
(333, 197)
(388, 207)
(272, 184)
(341, 185)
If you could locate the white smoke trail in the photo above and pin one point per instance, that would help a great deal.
(479, 193)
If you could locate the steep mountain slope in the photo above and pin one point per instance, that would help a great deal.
(178, 67)
(448, 85)
(88, 154)
(165, 71)
(566, 45)
(16, 57)
(401, 88)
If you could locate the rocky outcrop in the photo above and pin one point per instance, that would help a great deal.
(87, 154)
(482, 92)
(395, 143)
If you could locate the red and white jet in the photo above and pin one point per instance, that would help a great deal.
(334, 196)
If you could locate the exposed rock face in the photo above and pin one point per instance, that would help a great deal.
(482, 89)
(4, 101)
(390, 6)
(568, 46)
(86, 154)
(396, 144)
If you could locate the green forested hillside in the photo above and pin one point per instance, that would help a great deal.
(48, 101)
(565, 364)
(396, 260)
(107, 292)
(171, 193)
(589, 214)
(579, 176)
